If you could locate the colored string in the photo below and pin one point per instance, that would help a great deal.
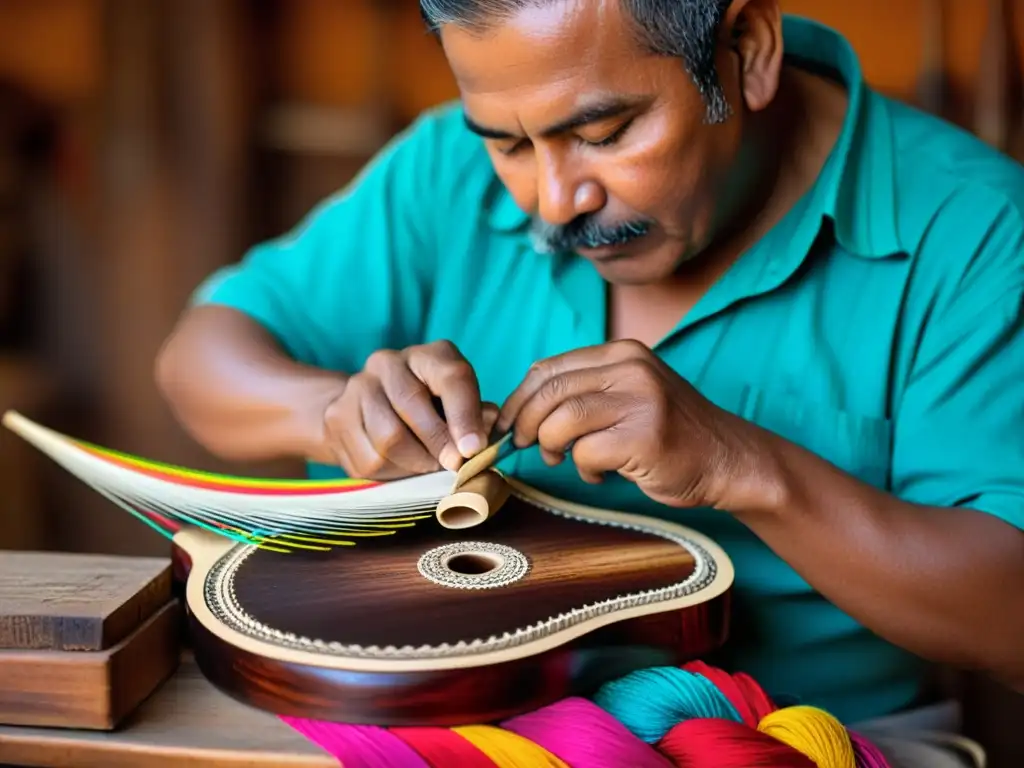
(580, 733)
(359, 746)
(650, 701)
(814, 732)
(868, 755)
(442, 748)
(507, 749)
(222, 482)
(750, 702)
(728, 744)
(696, 716)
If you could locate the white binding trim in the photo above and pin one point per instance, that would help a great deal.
(219, 593)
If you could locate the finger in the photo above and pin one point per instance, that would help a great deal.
(543, 371)
(354, 469)
(356, 453)
(568, 392)
(598, 453)
(411, 400)
(551, 458)
(449, 376)
(343, 427)
(581, 415)
(391, 438)
(490, 417)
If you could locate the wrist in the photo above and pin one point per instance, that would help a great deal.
(755, 477)
(313, 395)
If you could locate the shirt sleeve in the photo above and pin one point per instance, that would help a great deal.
(355, 275)
(959, 424)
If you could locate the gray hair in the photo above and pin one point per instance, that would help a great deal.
(683, 29)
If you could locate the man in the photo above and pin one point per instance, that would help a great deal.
(704, 273)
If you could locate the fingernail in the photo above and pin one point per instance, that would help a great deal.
(470, 445)
(449, 458)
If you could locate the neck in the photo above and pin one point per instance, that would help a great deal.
(783, 151)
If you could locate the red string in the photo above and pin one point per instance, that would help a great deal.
(727, 744)
(443, 748)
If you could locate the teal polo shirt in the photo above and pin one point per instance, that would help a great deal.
(879, 324)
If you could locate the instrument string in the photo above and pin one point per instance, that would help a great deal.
(694, 716)
(280, 515)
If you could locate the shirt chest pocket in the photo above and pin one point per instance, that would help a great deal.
(859, 445)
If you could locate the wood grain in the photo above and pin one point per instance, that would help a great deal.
(72, 602)
(373, 594)
(90, 689)
(187, 722)
(449, 697)
(304, 634)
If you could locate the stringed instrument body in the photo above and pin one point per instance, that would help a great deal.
(496, 611)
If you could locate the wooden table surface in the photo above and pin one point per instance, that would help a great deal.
(187, 722)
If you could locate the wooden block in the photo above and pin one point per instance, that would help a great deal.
(73, 602)
(187, 722)
(90, 689)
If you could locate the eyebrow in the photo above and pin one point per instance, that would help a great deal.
(592, 113)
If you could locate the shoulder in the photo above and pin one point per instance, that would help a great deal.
(960, 204)
(438, 154)
(948, 178)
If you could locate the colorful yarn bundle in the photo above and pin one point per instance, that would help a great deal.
(695, 716)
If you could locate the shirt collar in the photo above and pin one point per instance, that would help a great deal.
(856, 189)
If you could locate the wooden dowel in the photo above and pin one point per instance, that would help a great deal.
(478, 499)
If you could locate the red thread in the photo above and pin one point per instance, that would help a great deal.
(443, 748)
(727, 744)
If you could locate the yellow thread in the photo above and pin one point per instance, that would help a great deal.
(507, 749)
(227, 480)
(814, 732)
(284, 538)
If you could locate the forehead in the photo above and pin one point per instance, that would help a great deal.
(549, 55)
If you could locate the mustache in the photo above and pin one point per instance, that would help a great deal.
(585, 232)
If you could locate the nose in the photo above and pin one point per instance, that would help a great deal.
(563, 193)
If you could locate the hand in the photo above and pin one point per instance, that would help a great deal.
(385, 424)
(619, 408)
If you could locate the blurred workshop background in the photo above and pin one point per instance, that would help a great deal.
(143, 143)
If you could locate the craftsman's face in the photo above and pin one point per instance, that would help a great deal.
(586, 128)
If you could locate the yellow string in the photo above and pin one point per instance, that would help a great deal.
(814, 732)
(507, 749)
(228, 481)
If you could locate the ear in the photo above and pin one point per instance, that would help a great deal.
(753, 31)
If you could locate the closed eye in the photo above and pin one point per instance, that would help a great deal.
(611, 138)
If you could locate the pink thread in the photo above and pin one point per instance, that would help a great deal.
(443, 748)
(581, 734)
(867, 754)
(358, 746)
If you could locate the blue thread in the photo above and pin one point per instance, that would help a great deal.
(649, 702)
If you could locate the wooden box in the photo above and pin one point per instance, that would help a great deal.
(84, 639)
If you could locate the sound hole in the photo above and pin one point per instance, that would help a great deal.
(475, 563)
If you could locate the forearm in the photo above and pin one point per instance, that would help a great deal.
(946, 584)
(236, 392)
